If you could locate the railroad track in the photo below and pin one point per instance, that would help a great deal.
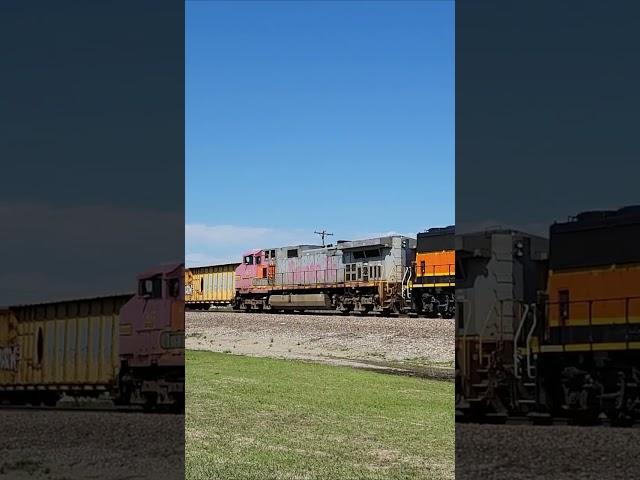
(320, 312)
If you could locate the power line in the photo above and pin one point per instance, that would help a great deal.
(323, 234)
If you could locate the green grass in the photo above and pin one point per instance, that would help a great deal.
(257, 418)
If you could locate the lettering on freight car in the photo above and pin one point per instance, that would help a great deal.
(188, 290)
(9, 357)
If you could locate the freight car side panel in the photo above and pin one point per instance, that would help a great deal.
(213, 284)
(69, 344)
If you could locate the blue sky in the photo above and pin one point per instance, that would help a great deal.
(310, 115)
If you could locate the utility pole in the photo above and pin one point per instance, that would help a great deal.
(323, 234)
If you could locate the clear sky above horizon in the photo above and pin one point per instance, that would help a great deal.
(309, 115)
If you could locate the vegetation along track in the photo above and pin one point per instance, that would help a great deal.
(403, 346)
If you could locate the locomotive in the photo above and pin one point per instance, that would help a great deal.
(127, 347)
(433, 289)
(363, 276)
(551, 328)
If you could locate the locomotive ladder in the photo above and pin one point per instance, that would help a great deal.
(406, 278)
(529, 311)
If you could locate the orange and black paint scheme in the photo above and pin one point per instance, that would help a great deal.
(589, 348)
(433, 289)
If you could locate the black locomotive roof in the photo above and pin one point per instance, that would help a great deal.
(599, 219)
(596, 238)
(436, 239)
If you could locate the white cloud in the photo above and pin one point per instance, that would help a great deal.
(215, 244)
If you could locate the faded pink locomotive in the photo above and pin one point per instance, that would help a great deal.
(372, 275)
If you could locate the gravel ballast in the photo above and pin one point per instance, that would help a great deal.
(84, 445)
(522, 452)
(326, 338)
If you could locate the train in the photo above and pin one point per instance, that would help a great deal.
(549, 327)
(128, 348)
(384, 275)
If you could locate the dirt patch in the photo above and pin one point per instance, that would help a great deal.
(394, 344)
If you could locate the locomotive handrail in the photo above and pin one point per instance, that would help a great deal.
(423, 274)
(515, 341)
(529, 335)
(484, 326)
(587, 311)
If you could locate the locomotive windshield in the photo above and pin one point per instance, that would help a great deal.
(150, 287)
(173, 286)
(248, 260)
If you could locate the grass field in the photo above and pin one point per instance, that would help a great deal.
(259, 418)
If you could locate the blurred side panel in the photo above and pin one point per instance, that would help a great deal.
(547, 240)
(91, 197)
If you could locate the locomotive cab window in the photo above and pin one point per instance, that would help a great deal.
(173, 286)
(150, 287)
(248, 260)
(258, 260)
(358, 255)
(372, 253)
(292, 253)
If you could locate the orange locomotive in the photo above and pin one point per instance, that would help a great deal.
(589, 350)
(433, 289)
